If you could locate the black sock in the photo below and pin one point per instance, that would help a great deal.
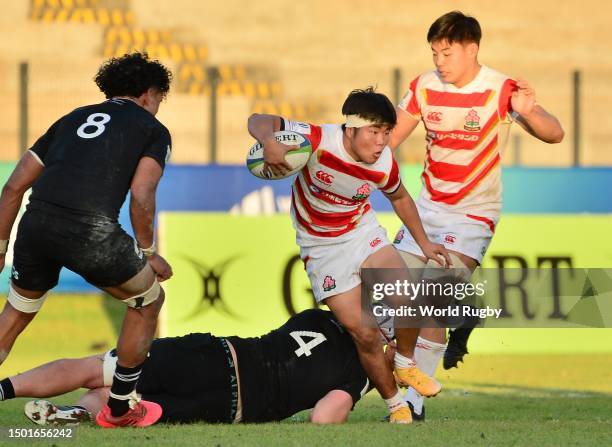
(124, 382)
(6, 390)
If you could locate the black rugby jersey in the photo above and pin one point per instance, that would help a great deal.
(291, 368)
(91, 154)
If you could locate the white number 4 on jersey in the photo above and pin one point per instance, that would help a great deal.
(316, 339)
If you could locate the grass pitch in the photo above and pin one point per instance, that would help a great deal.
(493, 399)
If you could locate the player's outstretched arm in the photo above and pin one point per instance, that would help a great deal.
(142, 212)
(334, 408)
(262, 128)
(407, 211)
(404, 127)
(59, 377)
(532, 117)
(24, 175)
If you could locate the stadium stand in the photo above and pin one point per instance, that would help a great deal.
(299, 62)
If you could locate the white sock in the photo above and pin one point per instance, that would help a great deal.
(403, 362)
(427, 355)
(395, 402)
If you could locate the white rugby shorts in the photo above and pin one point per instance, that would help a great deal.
(334, 268)
(467, 234)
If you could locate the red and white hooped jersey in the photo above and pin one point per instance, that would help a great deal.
(467, 129)
(330, 195)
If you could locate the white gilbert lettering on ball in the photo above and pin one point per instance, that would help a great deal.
(305, 348)
(95, 121)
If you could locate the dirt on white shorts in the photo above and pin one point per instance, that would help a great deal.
(467, 234)
(334, 268)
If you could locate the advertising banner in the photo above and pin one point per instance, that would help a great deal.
(243, 275)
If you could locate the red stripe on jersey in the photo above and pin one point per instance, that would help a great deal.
(413, 105)
(448, 99)
(458, 173)
(452, 198)
(463, 139)
(314, 232)
(505, 96)
(314, 137)
(323, 194)
(331, 161)
(486, 220)
(321, 218)
(393, 176)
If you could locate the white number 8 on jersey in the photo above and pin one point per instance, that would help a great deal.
(97, 120)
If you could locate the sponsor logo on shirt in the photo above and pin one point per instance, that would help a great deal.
(434, 117)
(452, 136)
(375, 242)
(322, 193)
(324, 177)
(450, 239)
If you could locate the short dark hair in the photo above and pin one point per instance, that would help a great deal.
(132, 75)
(370, 105)
(455, 27)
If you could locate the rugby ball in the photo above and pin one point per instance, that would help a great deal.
(296, 158)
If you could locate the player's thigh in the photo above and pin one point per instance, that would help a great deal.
(35, 269)
(385, 258)
(354, 316)
(107, 257)
(466, 261)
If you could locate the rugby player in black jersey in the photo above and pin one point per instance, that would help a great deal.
(80, 172)
(309, 362)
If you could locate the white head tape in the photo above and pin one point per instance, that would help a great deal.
(357, 121)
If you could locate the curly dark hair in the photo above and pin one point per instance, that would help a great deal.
(132, 75)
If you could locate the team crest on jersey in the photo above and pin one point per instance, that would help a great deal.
(399, 237)
(472, 121)
(363, 192)
(450, 238)
(329, 283)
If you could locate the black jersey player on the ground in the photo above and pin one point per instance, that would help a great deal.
(80, 172)
(309, 362)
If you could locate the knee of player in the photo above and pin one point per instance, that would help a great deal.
(153, 298)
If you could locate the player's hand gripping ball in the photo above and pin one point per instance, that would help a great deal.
(296, 158)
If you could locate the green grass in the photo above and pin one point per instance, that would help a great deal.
(493, 399)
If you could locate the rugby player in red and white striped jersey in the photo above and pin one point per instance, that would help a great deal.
(467, 109)
(338, 232)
